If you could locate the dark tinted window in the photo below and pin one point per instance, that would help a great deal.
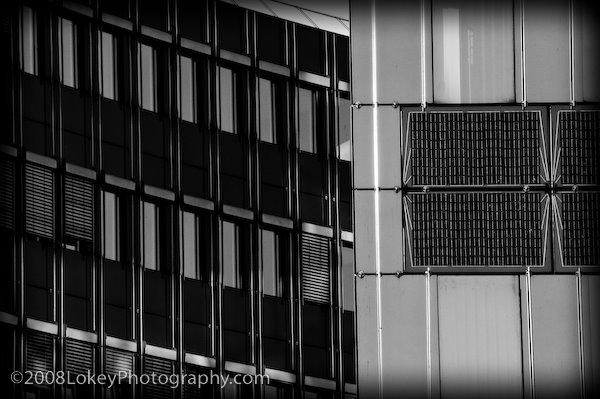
(192, 19)
(155, 13)
(271, 39)
(119, 8)
(343, 58)
(310, 50)
(232, 27)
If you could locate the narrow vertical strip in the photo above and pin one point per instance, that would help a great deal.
(428, 327)
(530, 331)
(580, 331)
(423, 63)
(376, 187)
(523, 63)
(571, 54)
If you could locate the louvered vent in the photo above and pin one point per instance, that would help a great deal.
(7, 193)
(5, 21)
(476, 229)
(474, 148)
(118, 361)
(581, 236)
(158, 367)
(39, 352)
(315, 268)
(79, 357)
(39, 201)
(579, 147)
(79, 208)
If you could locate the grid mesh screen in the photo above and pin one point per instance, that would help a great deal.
(476, 229)
(458, 148)
(580, 147)
(581, 233)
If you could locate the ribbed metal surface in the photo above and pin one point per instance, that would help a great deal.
(79, 357)
(462, 148)
(579, 133)
(7, 193)
(79, 208)
(581, 235)
(158, 367)
(476, 229)
(315, 268)
(39, 201)
(39, 352)
(117, 361)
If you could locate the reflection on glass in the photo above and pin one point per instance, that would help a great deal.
(187, 89)
(228, 96)
(148, 77)
(108, 61)
(111, 226)
(150, 236)
(68, 52)
(345, 143)
(267, 110)
(473, 51)
(272, 282)
(306, 120)
(190, 247)
(231, 261)
(348, 278)
(28, 41)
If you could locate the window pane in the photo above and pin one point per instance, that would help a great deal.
(108, 62)
(271, 278)
(111, 226)
(345, 143)
(187, 99)
(267, 112)
(228, 96)
(230, 242)
(473, 51)
(148, 77)
(271, 39)
(306, 122)
(68, 53)
(348, 278)
(190, 240)
(150, 235)
(29, 41)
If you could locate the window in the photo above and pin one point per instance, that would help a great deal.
(233, 273)
(111, 226)
(271, 39)
(108, 61)
(232, 27)
(344, 140)
(310, 50)
(29, 61)
(149, 221)
(348, 314)
(275, 262)
(68, 52)
(148, 82)
(267, 111)
(227, 81)
(473, 51)
(187, 90)
(192, 19)
(196, 246)
(307, 128)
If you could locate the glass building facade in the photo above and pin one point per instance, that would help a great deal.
(176, 198)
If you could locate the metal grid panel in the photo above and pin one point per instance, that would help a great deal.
(159, 367)
(79, 357)
(7, 193)
(580, 216)
(579, 142)
(79, 208)
(39, 355)
(39, 201)
(474, 148)
(118, 361)
(476, 229)
(315, 268)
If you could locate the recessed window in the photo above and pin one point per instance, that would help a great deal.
(227, 84)
(271, 39)
(187, 90)
(196, 246)
(108, 61)
(148, 82)
(68, 52)
(307, 114)
(231, 250)
(344, 151)
(310, 44)
(274, 254)
(267, 94)
(149, 221)
(29, 61)
(231, 22)
(111, 226)
(473, 51)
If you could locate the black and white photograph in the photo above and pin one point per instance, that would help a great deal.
(319, 199)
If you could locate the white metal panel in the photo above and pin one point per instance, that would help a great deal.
(367, 337)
